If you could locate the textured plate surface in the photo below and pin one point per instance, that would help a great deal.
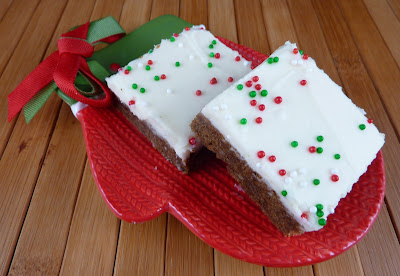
(138, 184)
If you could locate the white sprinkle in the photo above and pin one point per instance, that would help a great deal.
(288, 180)
(303, 183)
(180, 45)
(224, 106)
(216, 108)
(331, 210)
(140, 65)
(258, 165)
(309, 70)
(302, 171)
(228, 117)
(293, 174)
(334, 171)
(300, 62)
(169, 90)
(294, 61)
(245, 63)
(191, 57)
(228, 137)
(313, 209)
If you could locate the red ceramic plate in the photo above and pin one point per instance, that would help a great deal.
(139, 184)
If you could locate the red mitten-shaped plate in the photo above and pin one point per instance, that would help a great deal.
(139, 184)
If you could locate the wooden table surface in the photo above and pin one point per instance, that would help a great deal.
(52, 217)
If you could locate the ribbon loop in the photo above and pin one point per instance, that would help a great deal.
(75, 46)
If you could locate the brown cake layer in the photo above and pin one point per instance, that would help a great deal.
(249, 180)
(161, 145)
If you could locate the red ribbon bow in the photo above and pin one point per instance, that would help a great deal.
(62, 66)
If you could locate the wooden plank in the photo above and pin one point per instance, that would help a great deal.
(355, 78)
(387, 23)
(93, 235)
(134, 14)
(194, 11)
(141, 248)
(226, 265)
(395, 5)
(222, 23)
(161, 7)
(295, 271)
(4, 6)
(185, 253)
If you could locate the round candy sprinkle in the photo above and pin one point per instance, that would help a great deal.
(304, 216)
(210, 46)
(252, 94)
(370, 121)
(362, 126)
(198, 92)
(320, 138)
(253, 102)
(209, 65)
(264, 93)
(142, 90)
(150, 62)
(261, 154)
(187, 28)
(301, 52)
(320, 150)
(258, 87)
(115, 66)
(282, 172)
(243, 121)
(150, 51)
(128, 68)
(270, 60)
(211, 54)
(258, 120)
(213, 81)
(239, 86)
(237, 58)
(148, 67)
(294, 144)
(134, 86)
(230, 79)
(335, 178)
(284, 193)
(177, 64)
(337, 156)
(176, 35)
(305, 56)
(156, 78)
(172, 39)
(214, 42)
(261, 107)
(278, 100)
(163, 76)
(192, 141)
(276, 59)
(295, 51)
(126, 71)
(320, 214)
(322, 222)
(249, 83)
(132, 102)
(303, 82)
(319, 207)
(272, 158)
(255, 78)
(217, 55)
(316, 181)
(312, 149)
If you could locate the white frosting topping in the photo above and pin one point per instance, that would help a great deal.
(169, 105)
(317, 107)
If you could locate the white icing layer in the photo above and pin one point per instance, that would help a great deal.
(169, 105)
(318, 108)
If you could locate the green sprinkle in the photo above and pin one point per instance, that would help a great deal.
(301, 52)
(322, 222)
(276, 59)
(264, 93)
(156, 78)
(320, 214)
(148, 67)
(210, 46)
(151, 51)
(177, 64)
(209, 65)
(253, 94)
(337, 156)
(128, 68)
(319, 207)
(362, 126)
(239, 87)
(142, 90)
(172, 39)
(284, 193)
(294, 144)
(270, 60)
(316, 181)
(214, 42)
(320, 138)
(320, 150)
(243, 121)
(134, 86)
(211, 54)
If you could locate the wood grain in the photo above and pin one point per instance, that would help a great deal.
(4, 5)
(194, 11)
(134, 14)
(222, 24)
(395, 5)
(291, 271)
(226, 265)
(161, 7)
(348, 263)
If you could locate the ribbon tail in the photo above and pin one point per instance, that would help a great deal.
(32, 84)
(37, 102)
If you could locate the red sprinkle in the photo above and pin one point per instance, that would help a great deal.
(261, 107)
(230, 79)
(176, 35)
(261, 154)
(150, 62)
(253, 102)
(272, 158)
(370, 121)
(335, 178)
(304, 216)
(132, 102)
(305, 56)
(126, 71)
(312, 149)
(278, 100)
(213, 81)
(249, 83)
(163, 77)
(258, 120)
(198, 93)
(192, 141)
(295, 51)
(258, 87)
(237, 58)
(255, 79)
(282, 172)
(120, 69)
(217, 55)
(303, 82)
(115, 66)
(187, 28)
